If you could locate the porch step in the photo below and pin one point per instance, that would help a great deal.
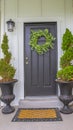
(43, 102)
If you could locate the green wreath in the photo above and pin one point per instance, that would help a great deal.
(35, 35)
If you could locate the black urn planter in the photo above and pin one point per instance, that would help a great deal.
(65, 95)
(7, 95)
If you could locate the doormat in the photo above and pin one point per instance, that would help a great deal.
(37, 114)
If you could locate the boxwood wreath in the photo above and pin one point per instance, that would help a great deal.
(35, 35)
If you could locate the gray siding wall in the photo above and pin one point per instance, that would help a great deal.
(0, 35)
(0, 21)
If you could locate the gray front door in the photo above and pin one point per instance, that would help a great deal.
(40, 70)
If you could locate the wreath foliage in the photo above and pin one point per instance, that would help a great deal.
(35, 35)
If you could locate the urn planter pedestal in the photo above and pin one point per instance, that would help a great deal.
(66, 96)
(7, 95)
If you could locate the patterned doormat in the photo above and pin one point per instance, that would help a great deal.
(37, 114)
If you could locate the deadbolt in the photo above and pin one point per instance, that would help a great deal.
(26, 58)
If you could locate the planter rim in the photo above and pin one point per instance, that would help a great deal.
(61, 81)
(8, 82)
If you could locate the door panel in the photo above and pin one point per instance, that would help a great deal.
(40, 70)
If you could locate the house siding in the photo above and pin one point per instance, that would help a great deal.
(0, 21)
(0, 34)
(22, 11)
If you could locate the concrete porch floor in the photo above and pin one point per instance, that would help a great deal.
(6, 124)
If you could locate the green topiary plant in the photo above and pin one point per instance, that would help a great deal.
(7, 71)
(66, 72)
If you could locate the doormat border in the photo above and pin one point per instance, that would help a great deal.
(16, 119)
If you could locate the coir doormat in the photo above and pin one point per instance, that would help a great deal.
(37, 114)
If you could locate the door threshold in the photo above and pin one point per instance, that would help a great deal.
(38, 102)
(40, 97)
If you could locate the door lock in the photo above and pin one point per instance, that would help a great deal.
(26, 60)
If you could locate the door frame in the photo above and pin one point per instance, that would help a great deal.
(21, 23)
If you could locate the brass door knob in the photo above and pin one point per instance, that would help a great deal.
(26, 62)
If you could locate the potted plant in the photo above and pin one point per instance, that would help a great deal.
(65, 74)
(7, 72)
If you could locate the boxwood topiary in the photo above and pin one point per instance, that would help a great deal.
(7, 71)
(66, 72)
